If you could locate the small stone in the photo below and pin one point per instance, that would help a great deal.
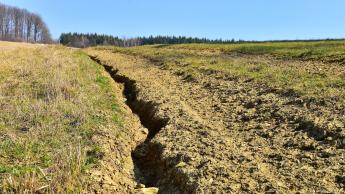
(211, 180)
(280, 184)
(150, 190)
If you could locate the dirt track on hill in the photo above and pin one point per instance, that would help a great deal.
(222, 134)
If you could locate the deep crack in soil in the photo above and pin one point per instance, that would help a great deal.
(148, 169)
(229, 134)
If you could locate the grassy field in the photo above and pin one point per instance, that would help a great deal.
(55, 101)
(52, 100)
(306, 68)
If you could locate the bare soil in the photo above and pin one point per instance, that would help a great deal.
(220, 134)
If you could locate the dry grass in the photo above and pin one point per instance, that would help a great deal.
(10, 46)
(52, 101)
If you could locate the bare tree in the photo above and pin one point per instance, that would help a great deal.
(20, 25)
(2, 20)
(29, 21)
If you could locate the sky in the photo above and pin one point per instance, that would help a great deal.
(226, 19)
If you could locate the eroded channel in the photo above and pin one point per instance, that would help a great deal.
(149, 169)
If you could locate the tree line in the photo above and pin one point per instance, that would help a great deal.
(82, 40)
(85, 40)
(21, 25)
(178, 40)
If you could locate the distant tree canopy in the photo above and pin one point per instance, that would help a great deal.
(178, 40)
(86, 40)
(21, 25)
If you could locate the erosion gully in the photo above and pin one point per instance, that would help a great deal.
(148, 167)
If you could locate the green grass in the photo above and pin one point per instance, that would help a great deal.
(327, 51)
(52, 100)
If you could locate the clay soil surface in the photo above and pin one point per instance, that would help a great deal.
(218, 132)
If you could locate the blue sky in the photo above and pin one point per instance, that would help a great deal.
(227, 19)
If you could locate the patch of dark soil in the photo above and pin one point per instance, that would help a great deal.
(320, 134)
(340, 180)
(312, 130)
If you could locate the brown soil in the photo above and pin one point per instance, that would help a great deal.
(222, 134)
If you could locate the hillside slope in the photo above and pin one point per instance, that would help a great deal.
(249, 118)
(64, 126)
(239, 122)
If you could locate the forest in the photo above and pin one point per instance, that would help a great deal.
(86, 40)
(21, 25)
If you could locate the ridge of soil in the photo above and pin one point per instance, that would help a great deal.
(115, 173)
